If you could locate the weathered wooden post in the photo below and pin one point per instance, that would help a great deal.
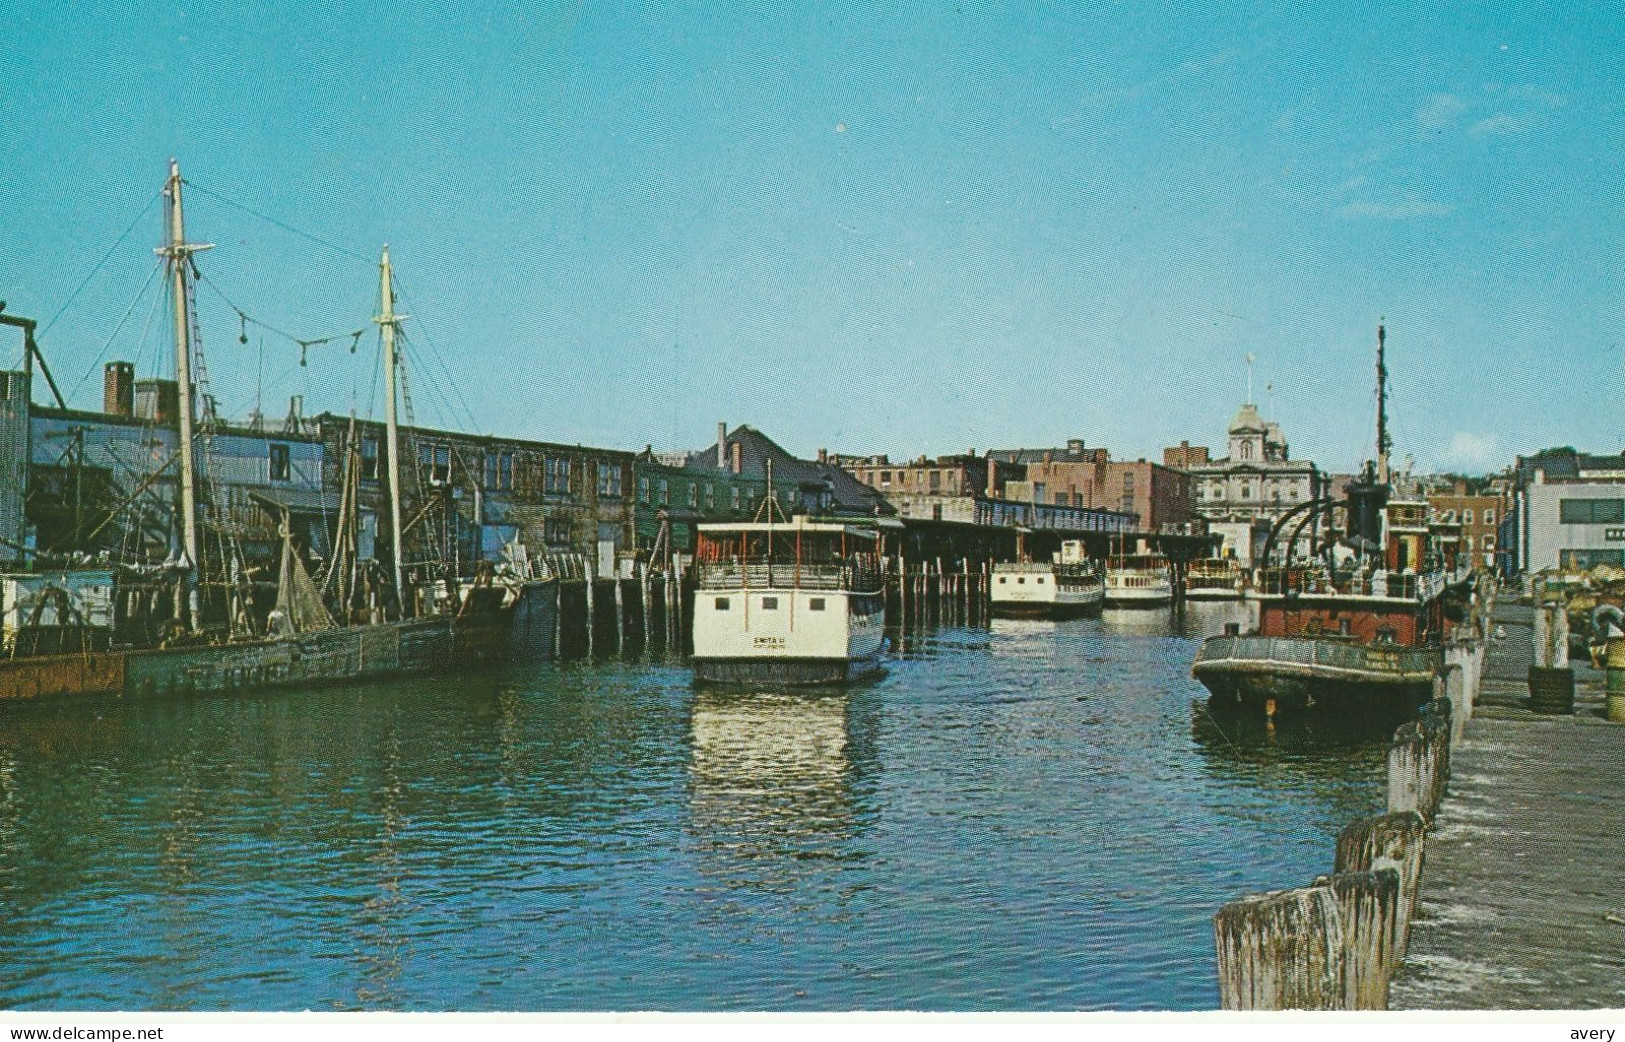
(1281, 950)
(646, 600)
(591, 604)
(1418, 765)
(1369, 903)
(1389, 841)
(620, 619)
(558, 618)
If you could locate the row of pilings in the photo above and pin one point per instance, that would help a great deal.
(649, 614)
(1336, 943)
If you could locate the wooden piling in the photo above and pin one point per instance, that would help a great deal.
(646, 601)
(1281, 950)
(1389, 841)
(1369, 903)
(620, 620)
(591, 614)
(1418, 766)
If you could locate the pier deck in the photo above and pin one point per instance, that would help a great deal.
(1523, 889)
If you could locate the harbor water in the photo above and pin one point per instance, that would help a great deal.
(1036, 816)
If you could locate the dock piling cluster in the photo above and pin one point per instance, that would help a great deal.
(1336, 944)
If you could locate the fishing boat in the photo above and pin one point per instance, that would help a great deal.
(1138, 581)
(1069, 584)
(1357, 625)
(1213, 579)
(203, 626)
(787, 601)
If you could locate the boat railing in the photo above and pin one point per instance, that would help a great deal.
(730, 575)
(1330, 653)
(1403, 586)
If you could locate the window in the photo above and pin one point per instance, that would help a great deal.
(1489, 542)
(885, 478)
(1021, 580)
(1591, 511)
(1585, 560)
(281, 467)
(693, 494)
(936, 480)
(643, 490)
(770, 604)
(722, 604)
(710, 496)
(369, 459)
(499, 470)
(736, 497)
(1003, 580)
(665, 492)
(435, 460)
(1467, 517)
(1489, 516)
(556, 475)
(815, 604)
(609, 480)
(1039, 580)
(557, 532)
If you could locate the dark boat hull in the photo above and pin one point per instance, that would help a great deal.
(410, 648)
(806, 672)
(1040, 610)
(1290, 676)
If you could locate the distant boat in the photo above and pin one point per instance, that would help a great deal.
(787, 602)
(1139, 581)
(1067, 585)
(1213, 579)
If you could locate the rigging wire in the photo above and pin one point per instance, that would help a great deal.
(474, 426)
(305, 343)
(109, 342)
(318, 240)
(110, 250)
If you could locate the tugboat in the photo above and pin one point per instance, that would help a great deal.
(1067, 585)
(787, 601)
(1356, 633)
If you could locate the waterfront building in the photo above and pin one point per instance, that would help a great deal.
(942, 489)
(1479, 516)
(1078, 476)
(821, 487)
(1568, 511)
(468, 496)
(1253, 486)
(688, 496)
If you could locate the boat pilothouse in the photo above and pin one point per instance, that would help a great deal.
(787, 602)
(1067, 584)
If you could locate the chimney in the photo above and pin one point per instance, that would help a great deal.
(1074, 446)
(118, 389)
(739, 458)
(296, 414)
(823, 455)
(722, 446)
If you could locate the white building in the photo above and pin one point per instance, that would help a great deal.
(1256, 483)
(1572, 523)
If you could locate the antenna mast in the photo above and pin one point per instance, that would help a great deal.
(179, 254)
(1384, 441)
(387, 322)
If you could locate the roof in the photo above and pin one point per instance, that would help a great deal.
(1247, 419)
(850, 495)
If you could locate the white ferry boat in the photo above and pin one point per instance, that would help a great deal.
(791, 602)
(1213, 579)
(1139, 581)
(1068, 584)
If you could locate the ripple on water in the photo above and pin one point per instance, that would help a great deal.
(1033, 816)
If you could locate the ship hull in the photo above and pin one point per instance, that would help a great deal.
(411, 648)
(1057, 609)
(1292, 676)
(804, 672)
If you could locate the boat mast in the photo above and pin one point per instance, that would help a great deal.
(179, 253)
(387, 322)
(1384, 441)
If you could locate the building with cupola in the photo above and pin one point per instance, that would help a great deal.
(1244, 493)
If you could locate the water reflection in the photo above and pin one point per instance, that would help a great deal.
(771, 783)
(1320, 757)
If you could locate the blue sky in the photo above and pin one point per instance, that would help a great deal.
(898, 228)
